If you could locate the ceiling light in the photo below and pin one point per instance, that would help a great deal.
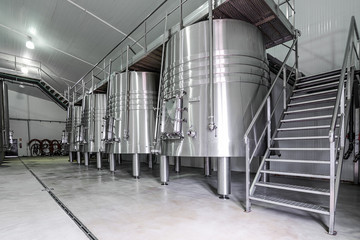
(24, 70)
(29, 43)
(32, 30)
(21, 86)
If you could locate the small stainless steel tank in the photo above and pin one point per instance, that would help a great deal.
(92, 122)
(75, 137)
(241, 79)
(130, 115)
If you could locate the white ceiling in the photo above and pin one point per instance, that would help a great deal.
(68, 40)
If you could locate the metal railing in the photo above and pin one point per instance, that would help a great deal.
(126, 48)
(288, 8)
(35, 70)
(137, 42)
(270, 114)
(342, 105)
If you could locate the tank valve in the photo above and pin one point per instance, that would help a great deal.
(191, 133)
(212, 126)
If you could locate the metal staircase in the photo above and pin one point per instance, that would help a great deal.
(301, 168)
(10, 70)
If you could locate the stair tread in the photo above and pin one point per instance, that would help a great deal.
(299, 149)
(313, 94)
(290, 203)
(298, 161)
(305, 128)
(312, 101)
(309, 109)
(292, 187)
(296, 174)
(302, 83)
(317, 86)
(301, 138)
(307, 118)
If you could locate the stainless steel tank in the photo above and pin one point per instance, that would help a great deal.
(5, 133)
(240, 82)
(75, 137)
(241, 79)
(132, 98)
(94, 111)
(93, 121)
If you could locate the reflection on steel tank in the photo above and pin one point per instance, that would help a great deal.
(241, 80)
(131, 120)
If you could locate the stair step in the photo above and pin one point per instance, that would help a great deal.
(320, 75)
(300, 149)
(291, 204)
(297, 161)
(317, 86)
(312, 101)
(295, 188)
(314, 94)
(302, 83)
(305, 128)
(307, 118)
(307, 175)
(300, 138)
(309, 110)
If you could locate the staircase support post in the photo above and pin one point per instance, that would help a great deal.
(332, 186)
(268, 115)
(284, 88)
(247, 171)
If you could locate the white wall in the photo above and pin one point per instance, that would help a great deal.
(324, 25)
(24, 106)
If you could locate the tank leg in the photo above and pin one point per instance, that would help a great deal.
(136, 166)
(71, 157)
(224, 177)
(112, 162)
(164, 169)
(118, 158)
(150, 161)
(78, 157)
(98, 160)
(207, 167)
(86, 156)
(177, 161)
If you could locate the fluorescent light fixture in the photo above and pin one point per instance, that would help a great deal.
(21, 86)
(32, 30)
(24, 70)
(29, 43)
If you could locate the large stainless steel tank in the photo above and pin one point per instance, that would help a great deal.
(241, 79)
(240, 82)
(93, 124)
(131, 115)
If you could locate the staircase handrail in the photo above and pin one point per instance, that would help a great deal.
(343, 102)
(350, 40)
(263, 103)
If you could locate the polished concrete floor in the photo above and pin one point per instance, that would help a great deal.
(116, 206)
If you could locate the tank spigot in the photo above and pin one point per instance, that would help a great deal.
(212, 126)
(191, 133)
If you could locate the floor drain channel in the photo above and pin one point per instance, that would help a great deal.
(87, 232)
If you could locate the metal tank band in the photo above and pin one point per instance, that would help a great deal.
(93, 123)
(130, 112)
(241, 79)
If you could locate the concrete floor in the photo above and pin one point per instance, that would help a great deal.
(119, 207)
